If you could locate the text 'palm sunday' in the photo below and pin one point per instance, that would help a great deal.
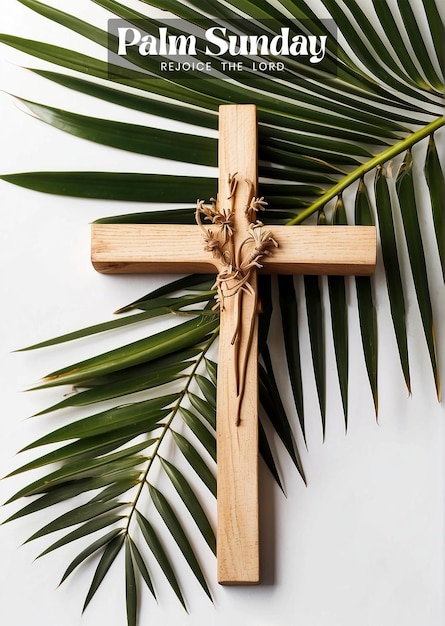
(219, 43)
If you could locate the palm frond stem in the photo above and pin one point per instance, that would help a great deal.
(364, 168)
(166, 427)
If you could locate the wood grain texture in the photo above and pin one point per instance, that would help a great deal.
(237, 445)
(169, 248)
(149, 248)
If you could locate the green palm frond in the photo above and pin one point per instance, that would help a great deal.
(111, 454)
(325, 136)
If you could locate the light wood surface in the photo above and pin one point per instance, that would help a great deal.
(169, 248)
(237, 445)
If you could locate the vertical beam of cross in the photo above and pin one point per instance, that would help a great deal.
(237, 443)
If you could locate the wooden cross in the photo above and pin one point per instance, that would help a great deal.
(339, 250)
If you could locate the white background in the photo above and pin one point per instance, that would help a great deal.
(361, 545)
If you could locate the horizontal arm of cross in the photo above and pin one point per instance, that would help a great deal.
(168, 248)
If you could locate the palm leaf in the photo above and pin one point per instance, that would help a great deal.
(192, 503)
(76, 516)
(315, 318)
(289, 320)
(365, 299)
(205, 436)
(433, 173)
(266, 452)
(140, 565)
(116, 186)
(91, 549)
(196, 461)
(109, 555)
(82, 531)
(339, 318)
(405, 191)
(131, 591)
(130, 137)
(160, 555)
(272, 404)
(173, 524)
(392, 268)
(142, 351)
